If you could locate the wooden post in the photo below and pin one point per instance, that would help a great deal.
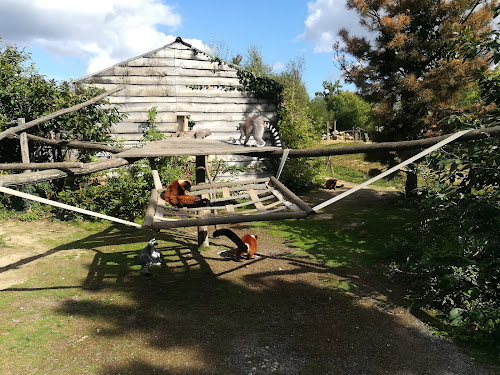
(182, 125)
(154, 172)
(23, 141)
(201, 162)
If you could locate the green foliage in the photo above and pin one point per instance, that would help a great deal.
(150, 131)
(347, 108)
(260, 87)
(453, 264)
(296, 128)
(26, 94)
(320, 115)
(123, 195)
(406, 70)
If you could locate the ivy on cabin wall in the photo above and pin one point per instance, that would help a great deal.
(260, 87)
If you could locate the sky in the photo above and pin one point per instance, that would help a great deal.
(68, 39)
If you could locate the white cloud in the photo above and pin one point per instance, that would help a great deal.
(325, 19)
(278, 66)
(103, 32)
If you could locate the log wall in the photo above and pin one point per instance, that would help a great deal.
(178, 81)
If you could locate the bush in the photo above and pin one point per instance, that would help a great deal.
(453, 263)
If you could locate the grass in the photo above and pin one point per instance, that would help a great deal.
(356, 168)
(348, 235)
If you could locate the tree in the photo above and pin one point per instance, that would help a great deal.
(453, 262)
(404, 70)
(348, 109)
(320, 115)
(255, 63)
(24, 93)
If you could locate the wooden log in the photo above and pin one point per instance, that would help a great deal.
(53, 115)
(230, 219)
(31, 178)
(386, 146)
(82, 145)
(27, 166)
(53, 174)
(66, 206)
(291, 196)
(201, 162)
(25, 151)
(151, 209)
(154, 172)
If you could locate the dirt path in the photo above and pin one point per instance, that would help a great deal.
(276, 314)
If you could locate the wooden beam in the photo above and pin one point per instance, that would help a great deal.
(383, 146)
(229, 219)
(291, 196)
(27, 166)
(53, 174)
(155, 174)
(23, 141)
(84, 145)
(151, 209)
(66, 206)
(201, 164)
(53, 115)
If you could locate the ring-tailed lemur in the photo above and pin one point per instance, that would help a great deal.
(255, 127)
(275, 134)
(149, 256)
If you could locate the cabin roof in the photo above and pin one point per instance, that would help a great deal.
(177, 40)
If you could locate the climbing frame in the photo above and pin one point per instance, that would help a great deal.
(261, 199)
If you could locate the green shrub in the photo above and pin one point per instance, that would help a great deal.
(453, 262)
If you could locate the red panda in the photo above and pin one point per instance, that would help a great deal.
(246, 244)
(175, 194)
(332, 184)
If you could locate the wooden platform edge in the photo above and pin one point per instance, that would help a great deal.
(232, 219)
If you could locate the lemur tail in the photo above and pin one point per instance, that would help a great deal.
(233, 237)
(276, 136)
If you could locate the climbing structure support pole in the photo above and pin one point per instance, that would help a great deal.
(201, 168)
(154, 172)
(66, 206)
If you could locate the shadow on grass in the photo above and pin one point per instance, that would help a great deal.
(200, 314)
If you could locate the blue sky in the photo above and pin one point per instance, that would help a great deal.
(72, 38)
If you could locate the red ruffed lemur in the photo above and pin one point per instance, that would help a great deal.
(332, 184)
(247, 244)
(175, 194)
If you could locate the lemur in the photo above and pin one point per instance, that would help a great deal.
(332, 184)
(149, 256)
(175, 194)
(255, 127)
(247, 244)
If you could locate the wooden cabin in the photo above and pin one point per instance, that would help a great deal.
(187, 87)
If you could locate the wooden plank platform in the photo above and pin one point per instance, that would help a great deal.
(258, 200)
(185, 146)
